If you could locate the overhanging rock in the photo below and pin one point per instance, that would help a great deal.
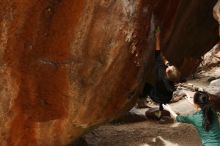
(66, 66)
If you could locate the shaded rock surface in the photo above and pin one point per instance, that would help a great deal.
(66, 66)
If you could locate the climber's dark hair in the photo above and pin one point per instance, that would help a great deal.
(202, 99)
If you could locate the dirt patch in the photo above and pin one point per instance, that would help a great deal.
(147, 133)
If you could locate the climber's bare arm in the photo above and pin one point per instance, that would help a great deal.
(157, 35)
(157, 48)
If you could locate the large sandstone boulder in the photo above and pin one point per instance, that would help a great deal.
(66, 66)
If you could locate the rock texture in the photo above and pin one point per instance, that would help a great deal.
(214, 88)
(211, 58)
(66, 66)
(216, 13)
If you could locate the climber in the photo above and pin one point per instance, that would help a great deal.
(166, 76)
(205, 119)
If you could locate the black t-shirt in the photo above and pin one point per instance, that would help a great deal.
(163, 89)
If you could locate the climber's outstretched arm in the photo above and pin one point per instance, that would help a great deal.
(157, 48)
(157, 39)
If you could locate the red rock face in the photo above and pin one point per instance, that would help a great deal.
(68, 65)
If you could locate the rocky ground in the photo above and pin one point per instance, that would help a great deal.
(137, 129)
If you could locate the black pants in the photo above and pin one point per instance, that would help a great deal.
(163, 89)
(155, 95)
